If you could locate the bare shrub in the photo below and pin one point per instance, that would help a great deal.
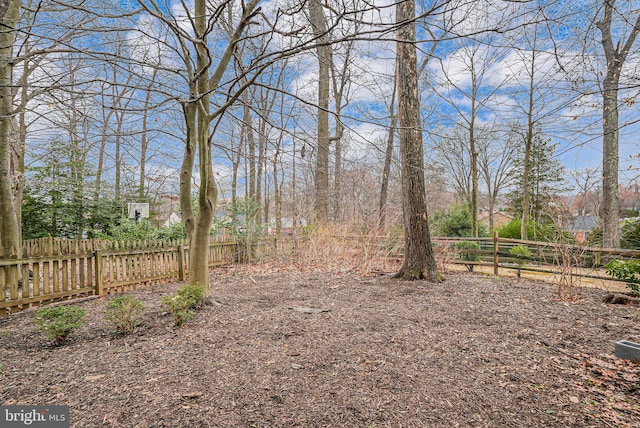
(442, 254)
(568, 255)
(340, 249)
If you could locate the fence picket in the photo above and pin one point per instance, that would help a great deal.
(36, 279)
(53, 269)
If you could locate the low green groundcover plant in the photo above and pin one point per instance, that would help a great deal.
(59, 322)
(628, 270)
(122, 314)
(184, 302)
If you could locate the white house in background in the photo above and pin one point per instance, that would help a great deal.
(173, 219)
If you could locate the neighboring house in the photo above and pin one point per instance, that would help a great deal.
(581, 226)
(173, 219)
(499, 219)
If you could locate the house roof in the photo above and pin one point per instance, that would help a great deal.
(485, 214)
(583, 222)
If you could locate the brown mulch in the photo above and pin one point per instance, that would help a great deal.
(474, 351)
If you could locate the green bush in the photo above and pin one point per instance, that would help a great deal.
(630, 234)
(128, 229)
(628, 270)
(535, 230)
(521, 253)
(60, 321)
(545, 232)
(468, 251)
(454, 222)
(184, 303)
(172, 232)
(594, 238)
(511, 230)
(122, 314)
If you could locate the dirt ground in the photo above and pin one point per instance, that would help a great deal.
(474, 351)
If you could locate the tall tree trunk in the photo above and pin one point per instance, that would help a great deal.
(491, 216)
(474, 156)
(118, 155)
(9, 228)
(340, 80)
(236, 164)
(419, 262)
(207, 194)
(337, 179)
(144, 139)
(526, 162)
(388, 156)
(615, 54)
(277, 200)
(186, 169)
(259, 175)
(76, 160)
(19, 165)
(323, 49)
(247, 127)
(294, 209)
(610, 159)
(198, 126)
(103, 144)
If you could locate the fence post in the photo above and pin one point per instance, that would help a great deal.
(182, 274)
(99, 273)
(495, 252)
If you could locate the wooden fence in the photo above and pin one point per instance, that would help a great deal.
(56, 246)
(494, 255)
(53, 270)
(544, 257)
(56, 270)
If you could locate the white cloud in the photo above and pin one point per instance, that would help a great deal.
(473, 17)
(364, 141)
(515, 69)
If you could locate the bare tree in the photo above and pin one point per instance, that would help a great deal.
(204, 76)
(144, 134)
(388, 157)
(9, 227)
(451, 151)
(616, 53)
(496, 155)
(585, 181)
(325, 59)
(478, 59)
(419, 262)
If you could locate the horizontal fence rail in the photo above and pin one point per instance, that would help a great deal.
(543, 257)
(55, 271)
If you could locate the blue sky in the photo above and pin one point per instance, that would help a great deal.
(566, 83)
